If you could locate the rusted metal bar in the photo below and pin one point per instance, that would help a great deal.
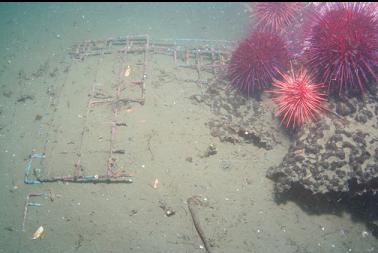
(145, 67)
(169, 47)
(79, 154)
(120, 178)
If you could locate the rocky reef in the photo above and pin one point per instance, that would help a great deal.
(238, 119)
(338, 153)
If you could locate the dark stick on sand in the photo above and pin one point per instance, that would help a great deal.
(194, 200)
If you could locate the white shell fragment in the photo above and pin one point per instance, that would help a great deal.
(39, 233)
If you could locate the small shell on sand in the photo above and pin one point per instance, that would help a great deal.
(156, 183)
(127, 71)
(39, 233)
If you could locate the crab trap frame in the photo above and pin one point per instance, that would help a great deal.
(195, 54)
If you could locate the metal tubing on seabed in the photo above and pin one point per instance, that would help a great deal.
(88, 179)
(27, 204)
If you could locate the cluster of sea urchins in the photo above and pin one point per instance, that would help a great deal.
(342, 53)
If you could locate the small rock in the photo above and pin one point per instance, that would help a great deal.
(225, 165)
(344, 109)
(211, 150)
(362, 118)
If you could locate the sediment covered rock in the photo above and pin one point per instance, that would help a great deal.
(239, 119)
(334, 154)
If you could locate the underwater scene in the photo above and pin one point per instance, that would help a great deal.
(189, 127)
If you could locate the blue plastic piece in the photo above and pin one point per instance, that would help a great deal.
(34, 204)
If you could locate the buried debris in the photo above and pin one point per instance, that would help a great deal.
(192, 202)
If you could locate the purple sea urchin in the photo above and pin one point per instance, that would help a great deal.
(256, 60)
(343, 46)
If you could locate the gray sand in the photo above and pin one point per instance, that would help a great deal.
(164, 139)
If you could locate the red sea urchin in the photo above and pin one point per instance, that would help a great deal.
(299, 100)
(343, 46)
(255, 61)
(274, 16)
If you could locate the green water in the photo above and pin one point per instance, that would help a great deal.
(165, 139)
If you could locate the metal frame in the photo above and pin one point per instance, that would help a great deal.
(196, 54)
